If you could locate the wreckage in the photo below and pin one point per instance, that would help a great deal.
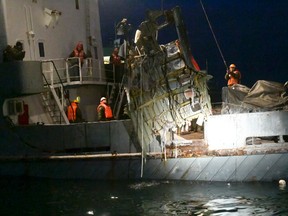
(166, 91)
(169, 99)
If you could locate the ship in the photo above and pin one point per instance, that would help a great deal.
(165, 126)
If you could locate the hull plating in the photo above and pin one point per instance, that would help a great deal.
(248, 168)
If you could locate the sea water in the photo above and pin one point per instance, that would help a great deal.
(22, 196)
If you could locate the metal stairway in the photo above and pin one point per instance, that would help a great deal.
(54, 103)
(118, 102)
(54, 100)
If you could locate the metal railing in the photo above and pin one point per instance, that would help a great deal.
(60, 73)
(71, 70)
(59, 99)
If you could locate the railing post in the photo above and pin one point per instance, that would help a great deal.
(114, 75)
(80, 69)
(89, 67)
(52, 74)
(67, 70)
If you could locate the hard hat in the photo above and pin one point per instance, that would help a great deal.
(124, 20)
(232, 65)
(102, 98)
(77, 100)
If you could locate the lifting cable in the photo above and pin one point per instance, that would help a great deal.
(219, 49)
(142, 121)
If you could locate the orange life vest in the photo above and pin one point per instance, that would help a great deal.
(108, 110)
(115, 59)
(80, 53)
(232, 80)
(71, 112)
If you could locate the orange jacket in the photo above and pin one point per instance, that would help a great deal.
(115, 59)
(108, 110)
(233, 78)
(79, 52)
(71, 112)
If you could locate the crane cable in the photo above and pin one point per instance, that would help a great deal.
(219, 49)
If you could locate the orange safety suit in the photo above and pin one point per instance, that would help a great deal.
(107, 110)
(233, 77)
(79, 52)
(71, 112)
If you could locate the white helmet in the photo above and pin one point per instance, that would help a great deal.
(102, 98)
(232, 66)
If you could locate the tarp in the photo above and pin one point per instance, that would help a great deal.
(263, 96)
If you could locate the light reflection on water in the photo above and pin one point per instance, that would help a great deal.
(62, 197)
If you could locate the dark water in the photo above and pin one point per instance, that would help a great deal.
(78, 197)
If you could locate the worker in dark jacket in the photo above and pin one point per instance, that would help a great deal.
(15, 53)
(104, 111)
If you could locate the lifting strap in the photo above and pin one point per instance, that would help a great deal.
(219, 49)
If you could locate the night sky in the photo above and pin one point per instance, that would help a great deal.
(252, 34)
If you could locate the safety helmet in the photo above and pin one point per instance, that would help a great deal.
(232, 66)
(124, 20)
(77, 100)
(102, 98)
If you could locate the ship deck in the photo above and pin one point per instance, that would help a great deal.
(196, 146)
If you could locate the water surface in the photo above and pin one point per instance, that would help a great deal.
(82, 197)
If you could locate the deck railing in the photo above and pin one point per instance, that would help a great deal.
(71, 71)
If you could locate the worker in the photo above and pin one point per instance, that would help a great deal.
(104, 111)
(74, 113)
(15, 53)
(79, 52)
(76, 56)
(123, 30)
(233, 75)
(115, 58)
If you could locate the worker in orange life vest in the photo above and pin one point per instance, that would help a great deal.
(104, 111)
(115, 58)
(74, 113)
(233, 75)
(74, 67)
(79, 52)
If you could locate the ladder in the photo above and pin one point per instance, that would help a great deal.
(54, 103)
(119, 99)
(54, 100)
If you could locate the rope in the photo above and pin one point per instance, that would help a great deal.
(142, 122)
(219, 49)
